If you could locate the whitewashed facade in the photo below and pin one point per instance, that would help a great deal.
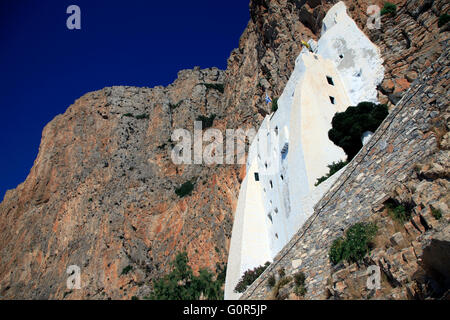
(292, 149)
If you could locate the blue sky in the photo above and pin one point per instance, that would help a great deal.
(44, 67)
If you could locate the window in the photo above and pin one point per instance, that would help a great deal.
(341, 56)
(265, 164)
(270, 217)
(256, 176)
(271, 184)
(332, 100)
(330, 80)
(282, 177)
(276, 210)
(276, 130)
(276, 235)
(284, 151)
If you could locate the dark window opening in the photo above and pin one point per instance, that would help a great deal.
(270, 217)
(330, 81)
(332, 100)
(276, 210)
(281, 176)
(341, 56)
(284, 151)
(256, 176)
(271, 184)
(276, 130)
(276, 235)
(265, 164)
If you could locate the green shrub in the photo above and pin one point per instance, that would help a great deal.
(142, 116)
(207, 122)
(281, 272)
(443, 19)
(185, 189)
(182, 284)
(271, 281)
(437, 214)
(300, 290)
(348, 126)
(215, 86)
(280, 284)
(128, 115)
(274, 104)
(126, 270)
(174, 106)
(284, 281)
(389, 8)
(334, 167)
(299, 280)
(355, 245)
(249, 277)
(398, 212)
(90, 199)
(134, 298)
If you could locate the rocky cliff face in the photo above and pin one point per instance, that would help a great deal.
(101, 192)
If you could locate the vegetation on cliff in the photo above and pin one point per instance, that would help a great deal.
(443, 19)
(207, 122)
(185, 189)
(215, 86)
(389, 8)
(275, 105)
(182, 284)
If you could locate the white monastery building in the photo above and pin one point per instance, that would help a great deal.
(291, 149)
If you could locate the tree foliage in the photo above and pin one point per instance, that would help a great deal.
(334, 167)
(182, 284)
(443, 19)
(348, 126)
(249, 277)
(215, 86)
(185, 189)
(274, 104)
(207, 122)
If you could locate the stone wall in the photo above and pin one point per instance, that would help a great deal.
(407, 136)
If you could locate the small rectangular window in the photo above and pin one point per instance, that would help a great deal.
(332, 100)
(330, 80)
(256, 176)
(284, 151)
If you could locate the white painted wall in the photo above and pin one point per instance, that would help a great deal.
(271, 211)
(358, 60)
